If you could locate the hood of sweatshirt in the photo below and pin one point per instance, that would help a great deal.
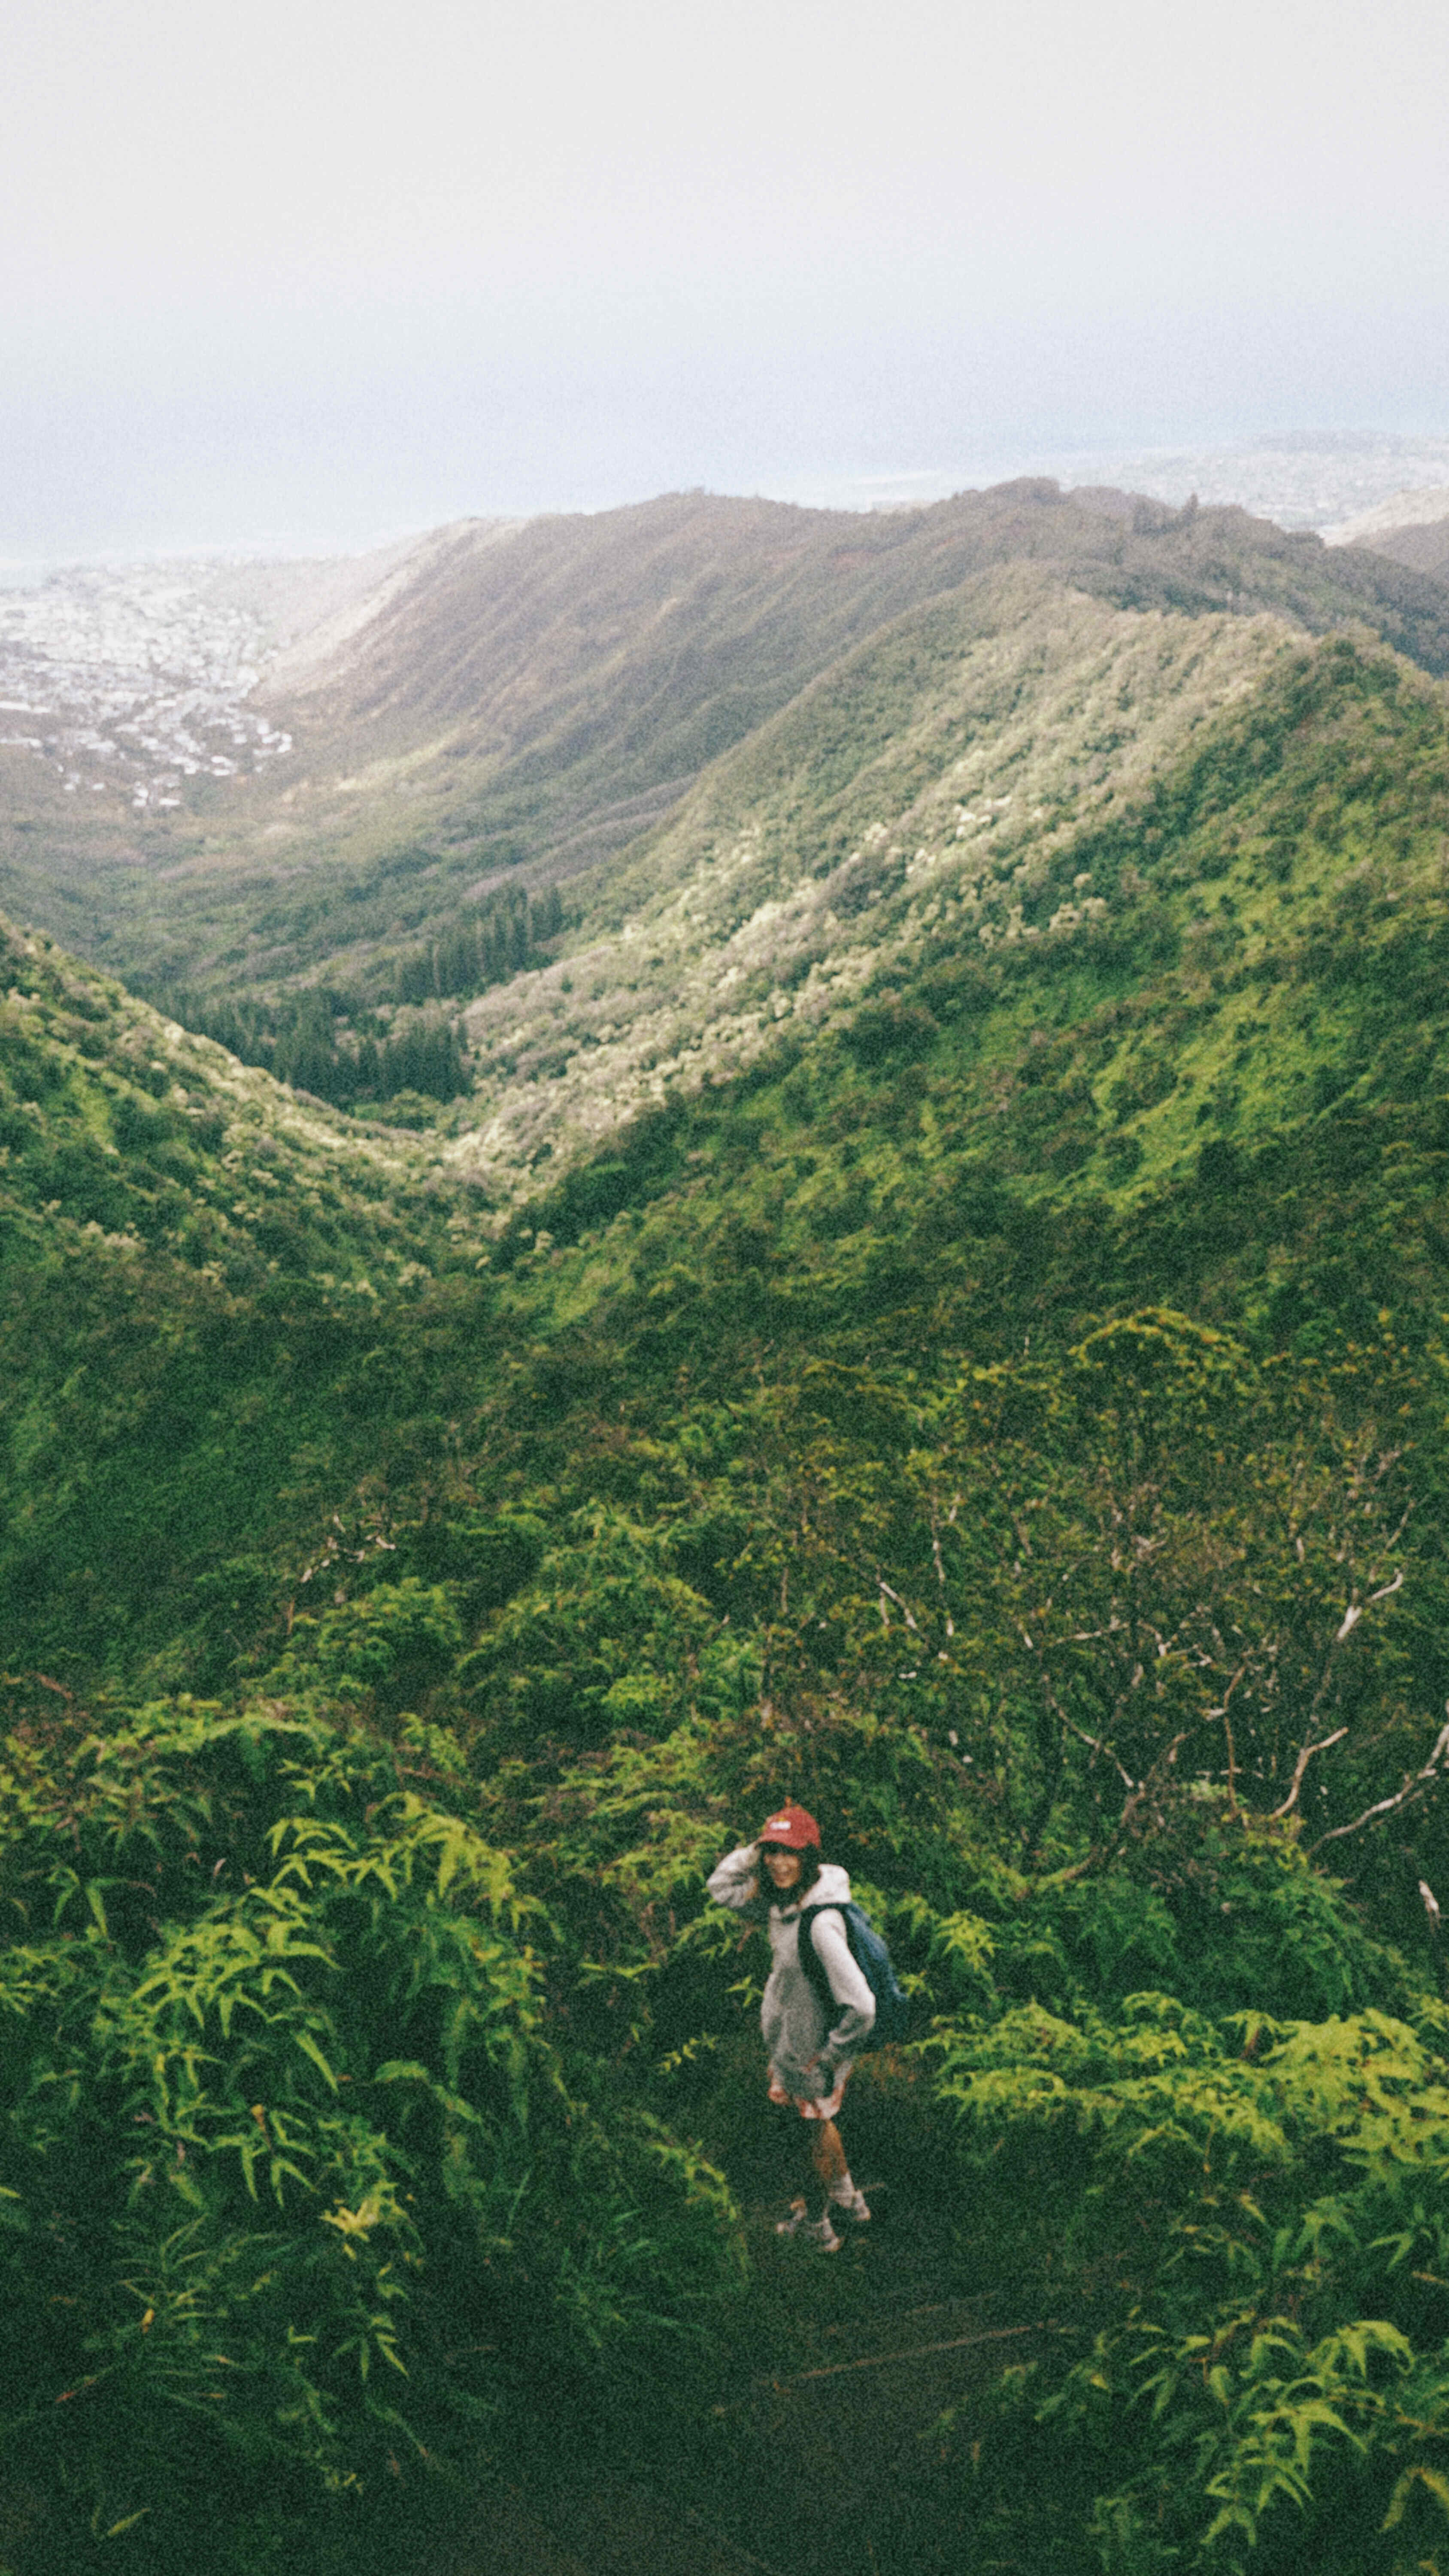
(832, 1887)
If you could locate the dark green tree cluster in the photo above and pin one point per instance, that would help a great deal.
(510, 931)
(332, 1044)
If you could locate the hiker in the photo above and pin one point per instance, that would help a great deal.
(773, 1879)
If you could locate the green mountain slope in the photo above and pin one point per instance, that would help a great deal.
(121, 1122)
(1172, 1033)
(1004, 770)
(189, 1257)
(914, 799)
(534, 699)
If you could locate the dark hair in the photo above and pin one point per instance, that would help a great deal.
(809, 1872)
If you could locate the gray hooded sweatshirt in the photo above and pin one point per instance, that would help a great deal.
(808, 2058)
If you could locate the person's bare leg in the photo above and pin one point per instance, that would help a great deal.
(828, 2155)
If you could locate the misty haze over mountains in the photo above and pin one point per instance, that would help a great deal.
(1304, 481)
(1307, 480)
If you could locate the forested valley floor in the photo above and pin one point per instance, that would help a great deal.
(993, 1392)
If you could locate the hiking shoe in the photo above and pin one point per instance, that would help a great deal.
(852, 2205)
(819, 2232)
(816, 2231)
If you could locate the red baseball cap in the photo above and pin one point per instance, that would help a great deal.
(795, 1827)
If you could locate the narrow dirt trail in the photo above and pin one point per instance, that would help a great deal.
(828, 2391)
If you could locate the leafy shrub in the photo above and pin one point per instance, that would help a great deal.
(604, 1639)
(1261, 2209)
(385, 1649)
(1222, 1917)
(293, 2176)
(890, 1028)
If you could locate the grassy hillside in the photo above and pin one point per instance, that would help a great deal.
(1007, 770)
(904, 805)
(1411, 527)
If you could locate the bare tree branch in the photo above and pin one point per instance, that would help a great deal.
(900, 1605)
(1166, 1761)
(1300, 1766)
(1105, 1750)
(1417, 1784)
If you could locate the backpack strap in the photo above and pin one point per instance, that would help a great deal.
(811, 1961)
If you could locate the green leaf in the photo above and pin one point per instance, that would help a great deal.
(304, 2040)
(1420, 2474)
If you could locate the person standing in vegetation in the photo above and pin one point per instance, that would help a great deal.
(778, 1879)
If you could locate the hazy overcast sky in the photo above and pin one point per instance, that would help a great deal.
(317, 272)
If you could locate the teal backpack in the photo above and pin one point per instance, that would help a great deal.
(868, 1950)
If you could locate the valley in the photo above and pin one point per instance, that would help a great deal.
(473, 753)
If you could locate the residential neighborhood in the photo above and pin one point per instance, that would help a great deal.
(131, 679)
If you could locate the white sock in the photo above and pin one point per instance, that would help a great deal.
(847, 2195)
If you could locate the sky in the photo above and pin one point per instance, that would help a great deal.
(309, 274)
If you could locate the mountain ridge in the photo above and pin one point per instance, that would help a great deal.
(753, 914)
(511, 702)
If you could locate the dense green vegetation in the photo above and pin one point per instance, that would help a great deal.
(306, 2177)
(1006, 1408)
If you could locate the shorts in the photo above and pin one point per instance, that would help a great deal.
(820, 2106)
